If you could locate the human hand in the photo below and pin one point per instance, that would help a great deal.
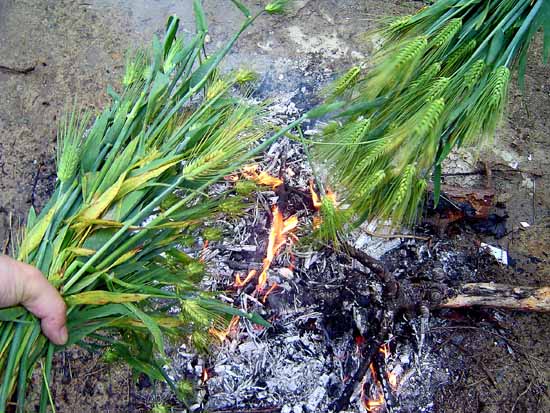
(23, 284)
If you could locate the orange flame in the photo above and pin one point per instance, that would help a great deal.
(241, 283)
(278, 234)
(372, 371)
(203, 251)
(234, 325)
(314, 197)
(220, 335)
(262, 178)
(385, 350)
(372, 405)
(332, 197)
(292, 264)
(392, 379)
(205, 376)
(231, 178)
(231, 330)
(273, 287)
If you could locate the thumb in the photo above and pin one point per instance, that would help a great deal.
(31, 289)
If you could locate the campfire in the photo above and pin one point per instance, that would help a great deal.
(343, 339)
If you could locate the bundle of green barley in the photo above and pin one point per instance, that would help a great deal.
(130, 193)
(439, 81)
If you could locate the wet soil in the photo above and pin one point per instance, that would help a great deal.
(78, 48)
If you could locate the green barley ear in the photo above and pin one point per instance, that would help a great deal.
(332, 219)
(277, 6)
(159, 408)
(430, 119)
(437, 89)
(370, 184)
(474, 73)
(430, 73)
(245, 188)
(498, 90)
(193, 312)
(69, 143)
(186, 390)
(233, 206)
(212, 234)
(396, 27)
(404, 187)
(136, 68)
(200, 340)
(244, 76)
(410, 52)
(444, 37)
(459, 56)
(344, 83)
(170, 60)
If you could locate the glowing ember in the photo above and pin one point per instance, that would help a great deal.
(241, 283)
(278, 234)
(262, 178)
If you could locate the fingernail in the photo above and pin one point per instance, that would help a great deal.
(62, 335)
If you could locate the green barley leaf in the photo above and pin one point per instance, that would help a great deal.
(496, 47)
(14, 314)
(171, 29)
(151, 325)
(244, 10)
(200, 17)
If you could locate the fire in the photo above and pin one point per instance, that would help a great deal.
(392, 379)
(203, 251)
(292, 264)
(280, 229)
(241, 283)
(231, 330)
(314, 197)
(385, 350)
(205, 376)
(262, 178)
(372, 405)
(372, 371)
(317, 202)
(271, 289)
(332, 197)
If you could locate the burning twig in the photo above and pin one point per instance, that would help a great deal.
(280, 229)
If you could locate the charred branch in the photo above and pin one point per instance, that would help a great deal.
(500, 296)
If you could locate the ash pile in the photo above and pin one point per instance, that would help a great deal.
(335, 343)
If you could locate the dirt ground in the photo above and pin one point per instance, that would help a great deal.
(78, 48)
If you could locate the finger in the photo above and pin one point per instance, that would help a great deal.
(42, 299)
